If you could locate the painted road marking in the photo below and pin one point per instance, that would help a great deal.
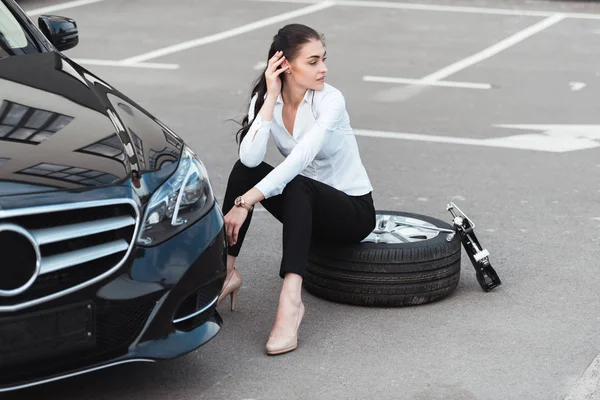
(441, 8)
(61, 6)
(411, 91)
(463, 85)
(588, 386)
(114, 63)
(260, 65)
(495, 49)
(591, 132)
(229, 33)
(554, 139)
(577, 86)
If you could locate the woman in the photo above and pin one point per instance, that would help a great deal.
(321, 190)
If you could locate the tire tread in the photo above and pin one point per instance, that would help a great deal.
(386, 275)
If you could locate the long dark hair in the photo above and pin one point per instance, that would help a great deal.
(288, 39)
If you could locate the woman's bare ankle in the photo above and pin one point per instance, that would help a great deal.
(230, 263)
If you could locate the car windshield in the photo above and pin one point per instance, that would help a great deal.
(14, 40)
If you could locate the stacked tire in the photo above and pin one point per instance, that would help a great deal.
(420, 267)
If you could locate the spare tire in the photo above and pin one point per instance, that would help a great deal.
(396, 265)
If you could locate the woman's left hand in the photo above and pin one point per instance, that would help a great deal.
(233, 221)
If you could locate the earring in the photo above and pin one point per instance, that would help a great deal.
(289, 72)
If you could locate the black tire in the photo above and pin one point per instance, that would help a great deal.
(386, 275)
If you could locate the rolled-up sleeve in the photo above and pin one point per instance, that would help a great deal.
(254, 145)
(330, 112)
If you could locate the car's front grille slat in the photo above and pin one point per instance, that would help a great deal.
(79, 244)
(66, 260)
(72, 231)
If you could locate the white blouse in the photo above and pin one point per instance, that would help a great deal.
(323, 146)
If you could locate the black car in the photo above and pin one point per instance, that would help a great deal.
(112, 248)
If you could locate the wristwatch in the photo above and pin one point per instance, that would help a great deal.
(240, 202)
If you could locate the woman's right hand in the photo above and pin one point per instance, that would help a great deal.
(234, 220)
(272, 74)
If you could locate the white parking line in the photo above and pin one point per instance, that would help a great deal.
(411, 91)
(61, 6)
(577, 86)
(531, 141)
(463, 85)
(113, 63)
(495, 49)
(588, 386)
(260, 65)
(229, 33)
(441, 8)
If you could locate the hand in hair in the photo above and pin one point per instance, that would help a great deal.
(272, 74)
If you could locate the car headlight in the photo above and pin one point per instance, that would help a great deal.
(178, 203)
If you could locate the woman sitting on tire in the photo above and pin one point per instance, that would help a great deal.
(321, 191)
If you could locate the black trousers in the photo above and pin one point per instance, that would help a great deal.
(309, 211)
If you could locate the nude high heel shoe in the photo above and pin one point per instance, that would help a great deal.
(231, 287)
(283, 345)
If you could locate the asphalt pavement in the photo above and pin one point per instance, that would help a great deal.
(490, 104)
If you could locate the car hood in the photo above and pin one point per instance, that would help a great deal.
(63, 128)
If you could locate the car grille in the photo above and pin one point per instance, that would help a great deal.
(118, 324)
(79, 244)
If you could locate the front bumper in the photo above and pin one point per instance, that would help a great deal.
(179, 343)
(134, 309)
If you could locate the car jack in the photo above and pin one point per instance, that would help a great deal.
(486, 276)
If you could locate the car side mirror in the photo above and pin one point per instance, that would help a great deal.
(62, 32)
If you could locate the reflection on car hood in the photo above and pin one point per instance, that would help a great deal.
(61, 127)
